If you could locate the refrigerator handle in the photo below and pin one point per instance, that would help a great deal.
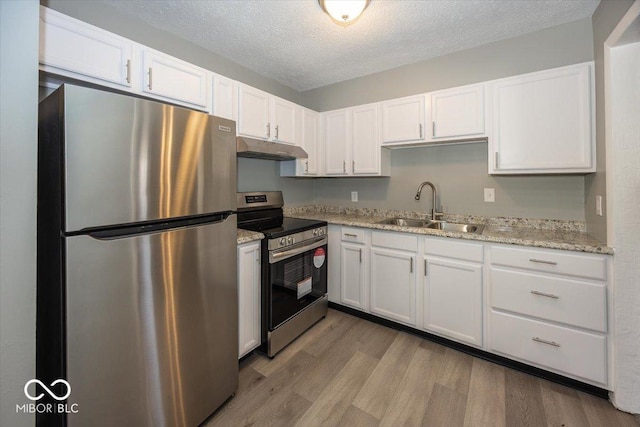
(123, 232)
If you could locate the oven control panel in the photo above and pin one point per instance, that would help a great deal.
(297, 238)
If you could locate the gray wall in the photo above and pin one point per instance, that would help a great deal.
(460, 171)
(553, 47)
(605, 19)
(460, 175)
(264, 175)
(18, 140)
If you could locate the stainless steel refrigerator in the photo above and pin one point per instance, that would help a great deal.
(137, 292)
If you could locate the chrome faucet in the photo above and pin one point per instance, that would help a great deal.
(434, 213)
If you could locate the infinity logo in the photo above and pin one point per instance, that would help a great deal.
(52, 394)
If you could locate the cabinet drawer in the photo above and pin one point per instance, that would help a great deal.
(405, 242)
(451, 248)
(558, 299)
(589, 266)
(356, 235)
(579, 354)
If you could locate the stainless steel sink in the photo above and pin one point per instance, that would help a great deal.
(405, 222)
(459, 228)
(435, 225)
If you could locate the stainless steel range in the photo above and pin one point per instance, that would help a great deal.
(294, 268)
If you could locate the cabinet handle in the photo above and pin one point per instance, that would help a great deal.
(150, 78)
(496, 160)
(277, 126)
(540, 340)
(411, 265)
(353, 166)
(360, 255)
(350, 235)
(268, 130)
(541, 261)
(344, 166)
(542, 294)
(306, 166)
(425, 267)
(420, 127)
(433, 128)
(129, 71)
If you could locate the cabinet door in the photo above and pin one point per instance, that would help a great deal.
(352, 276)
(365, 140)
(542, 122)
(169, 78)
(393, 285)
(337, 141)
(253, 112)
(457, 113)
(453, 300)
(283, 121)
(310, 141)
(71, 45)
(248, 297)
(403, 119)
(224, 97)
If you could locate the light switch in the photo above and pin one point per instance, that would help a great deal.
(599, 205)
(490, 195)
(354, 196)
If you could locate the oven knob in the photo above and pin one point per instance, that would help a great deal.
(315, 232)
(321, 232)
(290, 240)
(283, 241)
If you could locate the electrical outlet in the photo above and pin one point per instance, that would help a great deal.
(490, 195)
(599, 205)
(354, 196)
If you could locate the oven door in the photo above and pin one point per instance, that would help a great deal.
(297, 277)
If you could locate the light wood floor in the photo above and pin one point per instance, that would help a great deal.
(346, 371)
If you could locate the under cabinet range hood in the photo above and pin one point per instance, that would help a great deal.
(259, 149)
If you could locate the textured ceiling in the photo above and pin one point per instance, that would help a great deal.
(295, 43)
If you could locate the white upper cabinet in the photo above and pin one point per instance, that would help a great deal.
(283, 120)
(365, 140)
(457, 113)
(543, 122)
(76, 49)
(253, 112)
(264, 116)
(403, 119)
(337, 138)
(309, 135)
(172, 79)
(224, 97)
(352, 142)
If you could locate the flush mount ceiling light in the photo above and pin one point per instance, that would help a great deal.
(344, 12)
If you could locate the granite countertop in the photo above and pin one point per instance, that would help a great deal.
(551, 234)
(246, 236)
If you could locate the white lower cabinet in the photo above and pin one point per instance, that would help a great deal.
(548, 308)
(393, 276)
(248, 297)
(543, 307)
(453, 299)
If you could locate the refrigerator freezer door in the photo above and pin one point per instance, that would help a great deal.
(152, 335)
(129, 160)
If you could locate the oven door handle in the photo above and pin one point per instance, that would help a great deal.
(276, 256)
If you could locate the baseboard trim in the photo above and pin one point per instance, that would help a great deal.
(500, 360)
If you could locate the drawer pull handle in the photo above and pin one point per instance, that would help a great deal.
(541, 261)
(540, 340)
(350, 235)
(542, 294)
